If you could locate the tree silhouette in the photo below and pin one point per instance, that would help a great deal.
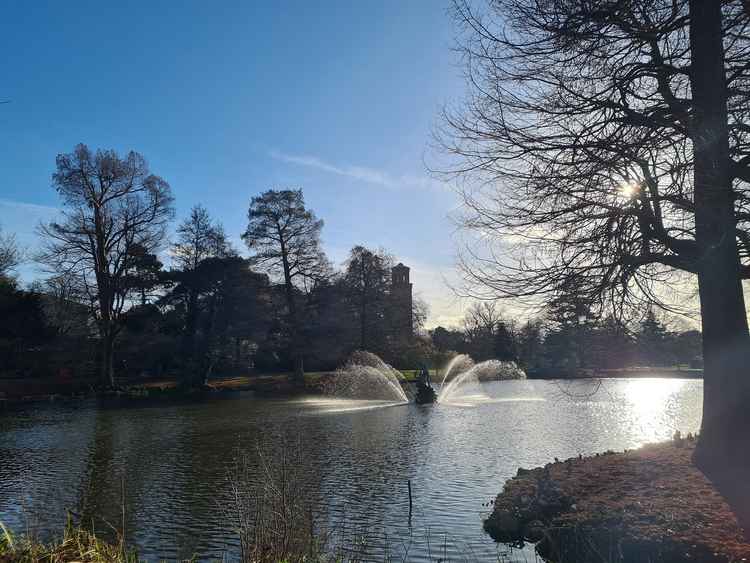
(10, 255)
(199, 239)
(113, 205)
(284, 237)
(367, 281)
(652, 340)
(607, 142)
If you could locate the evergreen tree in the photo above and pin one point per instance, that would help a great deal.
(145, 273)
(284, 237)
(505, 343)
(652, 341)
(572, 320)
(201, 245)
(530, 344)
(366, 282)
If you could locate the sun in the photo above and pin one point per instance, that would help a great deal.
(629, 189)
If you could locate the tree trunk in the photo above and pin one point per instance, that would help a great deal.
(107, 373)
(299, 367)
(194, 372)
(363, 307)
(363, 325)
(726, 344)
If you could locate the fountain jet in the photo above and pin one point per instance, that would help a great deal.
(463, 378)
(365, 376)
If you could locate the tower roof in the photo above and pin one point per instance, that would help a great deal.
(400, 266)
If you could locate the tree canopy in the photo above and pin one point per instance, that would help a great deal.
(284, 237)
(578, 138)
(112, 205)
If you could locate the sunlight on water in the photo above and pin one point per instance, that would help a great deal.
(328, 405)
(481, 399)
(650, 403)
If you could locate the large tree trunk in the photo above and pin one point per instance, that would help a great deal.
(726, 344)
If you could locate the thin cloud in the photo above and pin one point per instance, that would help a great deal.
(34, 207)
(359, 173)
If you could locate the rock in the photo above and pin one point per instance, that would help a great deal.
(505, 526)
(534, 531)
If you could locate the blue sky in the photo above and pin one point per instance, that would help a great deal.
(227, 99)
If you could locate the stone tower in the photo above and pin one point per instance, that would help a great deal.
(401, 302)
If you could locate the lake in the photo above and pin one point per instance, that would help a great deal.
(171, 462)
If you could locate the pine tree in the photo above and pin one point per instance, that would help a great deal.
(652, 340)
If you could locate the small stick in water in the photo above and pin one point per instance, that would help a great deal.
(409, 483)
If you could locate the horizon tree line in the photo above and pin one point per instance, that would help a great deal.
(283, 304)
(559, 345)
(214, 309)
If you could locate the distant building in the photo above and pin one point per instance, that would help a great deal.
(401, 303)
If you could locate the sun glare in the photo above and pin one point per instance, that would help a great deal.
(651, 402)
(629, 189)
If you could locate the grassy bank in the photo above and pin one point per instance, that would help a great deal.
(650, 504)
(75, 545)
(46, 389)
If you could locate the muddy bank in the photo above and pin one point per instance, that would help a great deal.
(650, 504)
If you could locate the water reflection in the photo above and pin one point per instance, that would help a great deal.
(173, 461)
(653, 403)
(329, 405)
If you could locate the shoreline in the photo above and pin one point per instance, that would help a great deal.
(650, 504)
(624, 373)
(44, 390)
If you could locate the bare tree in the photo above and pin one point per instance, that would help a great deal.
(607, 143)
(198, 238)
(63, 310)
(284, 237)
(112, 204)
(10, 255)
(420, 310)
(480, 324)
(481, 318)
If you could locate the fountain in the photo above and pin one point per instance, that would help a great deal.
(366, 377)
(425, 393)
(369, 382)
(461, 382)
(457, 365)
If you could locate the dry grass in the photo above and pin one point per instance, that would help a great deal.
(76, 545)
(272, 507)
(651, 500)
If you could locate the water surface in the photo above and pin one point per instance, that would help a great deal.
(170, 462)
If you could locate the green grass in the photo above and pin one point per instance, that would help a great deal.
(260, 381)
(413, 374)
